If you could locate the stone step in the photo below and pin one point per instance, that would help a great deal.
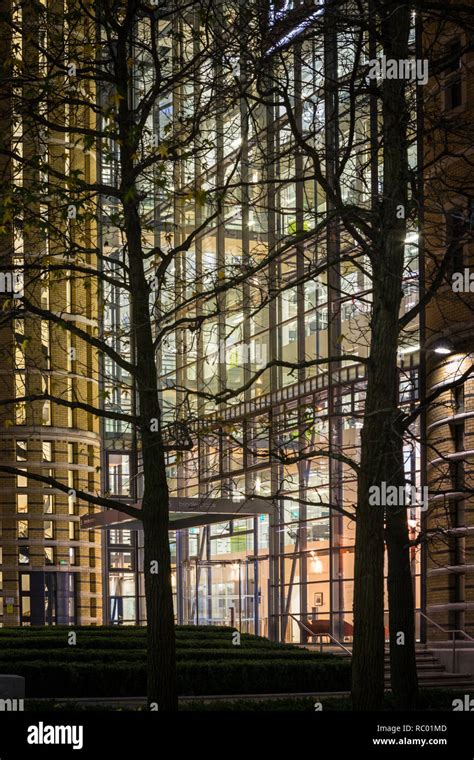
(441, 679)
(425, 657)
(424, 667)
(447, 683)
(431, 672)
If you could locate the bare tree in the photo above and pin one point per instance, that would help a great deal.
(145, 90)
(138, 87)
(355, 128)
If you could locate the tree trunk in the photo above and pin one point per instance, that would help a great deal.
(376, 439)
(396, 116)
(162, 685)
(161, 672)
(403, 677)
(381, 442)
(368, 650)
(161, 655)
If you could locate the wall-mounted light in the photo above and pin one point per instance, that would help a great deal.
(443, 347)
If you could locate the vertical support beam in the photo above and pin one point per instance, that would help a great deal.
(275, 576)
(334, 315)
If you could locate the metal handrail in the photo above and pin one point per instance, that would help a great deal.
(448, 631)
(453, 633)
(445, 630)
(333, 638)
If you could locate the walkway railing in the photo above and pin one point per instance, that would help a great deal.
(451, 634)
(448, 631)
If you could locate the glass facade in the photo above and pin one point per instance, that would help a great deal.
(274, 421)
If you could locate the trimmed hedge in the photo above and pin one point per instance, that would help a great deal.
(111, 662)
(114, 641)
(263, 677)
(126, 679)
(250, 643)
(109, 643)
(54, 643)
(186, 630)
(75, 655)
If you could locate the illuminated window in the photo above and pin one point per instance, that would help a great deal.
(45, 343)
(22, 502)
(71, 353)
(121, 560)
(19, 351)
(21, 451)
(44, 291)
(47, 451)
(20, 392)
(120, 536)
(46, 412)
(68, 294)
(48, 503)
(70, 411)
(119, 474)
(26, 607)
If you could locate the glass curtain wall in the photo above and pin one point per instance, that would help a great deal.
(287, 575)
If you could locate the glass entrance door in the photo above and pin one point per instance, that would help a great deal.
(221, 593)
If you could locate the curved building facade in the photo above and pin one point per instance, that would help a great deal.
(50, 569)
(449, 341)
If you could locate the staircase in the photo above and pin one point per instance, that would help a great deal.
(431, 673)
